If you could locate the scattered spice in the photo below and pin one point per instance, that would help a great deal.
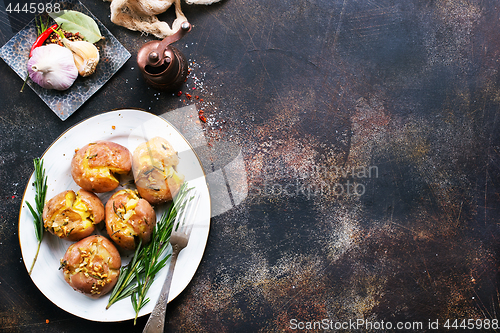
(55, 38)
(208, 111)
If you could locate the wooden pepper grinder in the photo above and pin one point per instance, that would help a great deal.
(163, 66)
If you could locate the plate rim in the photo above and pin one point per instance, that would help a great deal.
(29, 181)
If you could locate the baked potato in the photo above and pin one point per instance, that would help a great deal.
(92, 266)
(129, 218)
(71, 215)
(95, 166)
(154, 165)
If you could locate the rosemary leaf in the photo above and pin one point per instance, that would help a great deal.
(125, 285)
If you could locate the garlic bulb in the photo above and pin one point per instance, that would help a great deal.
(85, 54)
(52, 67)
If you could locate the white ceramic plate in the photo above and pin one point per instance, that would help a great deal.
(128, 128)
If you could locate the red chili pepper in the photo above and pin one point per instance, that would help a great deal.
(43, 36)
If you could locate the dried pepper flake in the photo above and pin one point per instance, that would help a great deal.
(188, 96)
(203, 118)
(179, 93)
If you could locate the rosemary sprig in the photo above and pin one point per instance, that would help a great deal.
(40, 194)
(137, 276)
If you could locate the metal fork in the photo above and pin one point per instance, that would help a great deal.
(178, 239)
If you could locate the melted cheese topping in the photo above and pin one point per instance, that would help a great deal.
(100, 171)
(126, 212)
(81, 208)
(62, 217)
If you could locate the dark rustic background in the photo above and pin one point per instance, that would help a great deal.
(403, 93)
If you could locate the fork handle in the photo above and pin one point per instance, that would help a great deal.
(156, 321)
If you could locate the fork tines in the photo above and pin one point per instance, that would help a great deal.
(184, 219)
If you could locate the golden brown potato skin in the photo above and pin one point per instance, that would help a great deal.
(154, 166)
(73, 215)
(128, 216)
(94, 166)
(92, 266)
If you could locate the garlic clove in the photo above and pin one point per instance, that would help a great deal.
(85, 55)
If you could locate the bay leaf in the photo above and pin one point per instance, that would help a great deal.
(74, 22)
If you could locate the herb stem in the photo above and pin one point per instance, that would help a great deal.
(24, 83)
(36, 256)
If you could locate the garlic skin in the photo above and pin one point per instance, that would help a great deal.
(52, 67)
(86, 55)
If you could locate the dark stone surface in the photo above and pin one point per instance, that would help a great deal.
(306, 91)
